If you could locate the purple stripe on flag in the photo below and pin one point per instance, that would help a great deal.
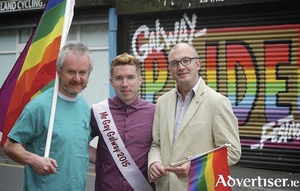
(8, 86)
(195, 172)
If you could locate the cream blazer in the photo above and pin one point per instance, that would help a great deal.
(209, 122)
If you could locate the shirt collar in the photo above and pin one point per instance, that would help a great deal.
(62, 96)
(194, 89)
(120, 104)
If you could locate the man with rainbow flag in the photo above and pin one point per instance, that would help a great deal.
(190, 119)
(66, 167)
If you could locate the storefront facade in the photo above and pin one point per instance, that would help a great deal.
(249, 49)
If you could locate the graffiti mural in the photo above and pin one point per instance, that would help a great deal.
(257, 68)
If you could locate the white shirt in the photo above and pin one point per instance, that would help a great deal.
(182, 106)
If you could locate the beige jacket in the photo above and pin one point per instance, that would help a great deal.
(208, 123)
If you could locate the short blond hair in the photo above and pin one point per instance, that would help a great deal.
(125, 59)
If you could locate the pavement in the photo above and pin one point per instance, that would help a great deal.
(241, 178)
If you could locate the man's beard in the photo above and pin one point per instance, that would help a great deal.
(72, 92)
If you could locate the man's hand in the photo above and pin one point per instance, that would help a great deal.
(157, 170)
(43, 165)
(181, 171)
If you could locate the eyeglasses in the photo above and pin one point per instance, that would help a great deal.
(184, 61)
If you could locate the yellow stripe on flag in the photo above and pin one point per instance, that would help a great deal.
(209, 173)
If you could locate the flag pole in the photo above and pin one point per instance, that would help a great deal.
(190, 158)
(66, 26)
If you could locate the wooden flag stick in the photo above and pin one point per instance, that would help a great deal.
(190, 158)
(175, 164)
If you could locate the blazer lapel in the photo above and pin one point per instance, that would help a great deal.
(170, 109)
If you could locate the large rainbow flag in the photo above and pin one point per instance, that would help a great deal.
(35, 69)
(210, 171)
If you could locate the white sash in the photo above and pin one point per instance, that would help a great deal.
(117, 148)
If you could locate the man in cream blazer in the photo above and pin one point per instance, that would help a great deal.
(207, 122)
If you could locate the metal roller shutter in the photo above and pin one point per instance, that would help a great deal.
(250, 54)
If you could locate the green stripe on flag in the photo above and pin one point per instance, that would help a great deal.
(49, 21)
(201, 181)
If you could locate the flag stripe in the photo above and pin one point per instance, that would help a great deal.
(218, 163)
(221, 168)
(209, 172)
(193, 173)
(201, 181)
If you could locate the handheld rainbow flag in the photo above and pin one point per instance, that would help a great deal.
(34, 70)
(206, 169)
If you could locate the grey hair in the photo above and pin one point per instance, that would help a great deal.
(75, 48)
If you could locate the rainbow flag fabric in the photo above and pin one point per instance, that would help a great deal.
(207, 169)
(35, 69)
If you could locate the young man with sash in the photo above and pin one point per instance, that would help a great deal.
(124, 126)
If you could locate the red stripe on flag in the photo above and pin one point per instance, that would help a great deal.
(221, 169)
